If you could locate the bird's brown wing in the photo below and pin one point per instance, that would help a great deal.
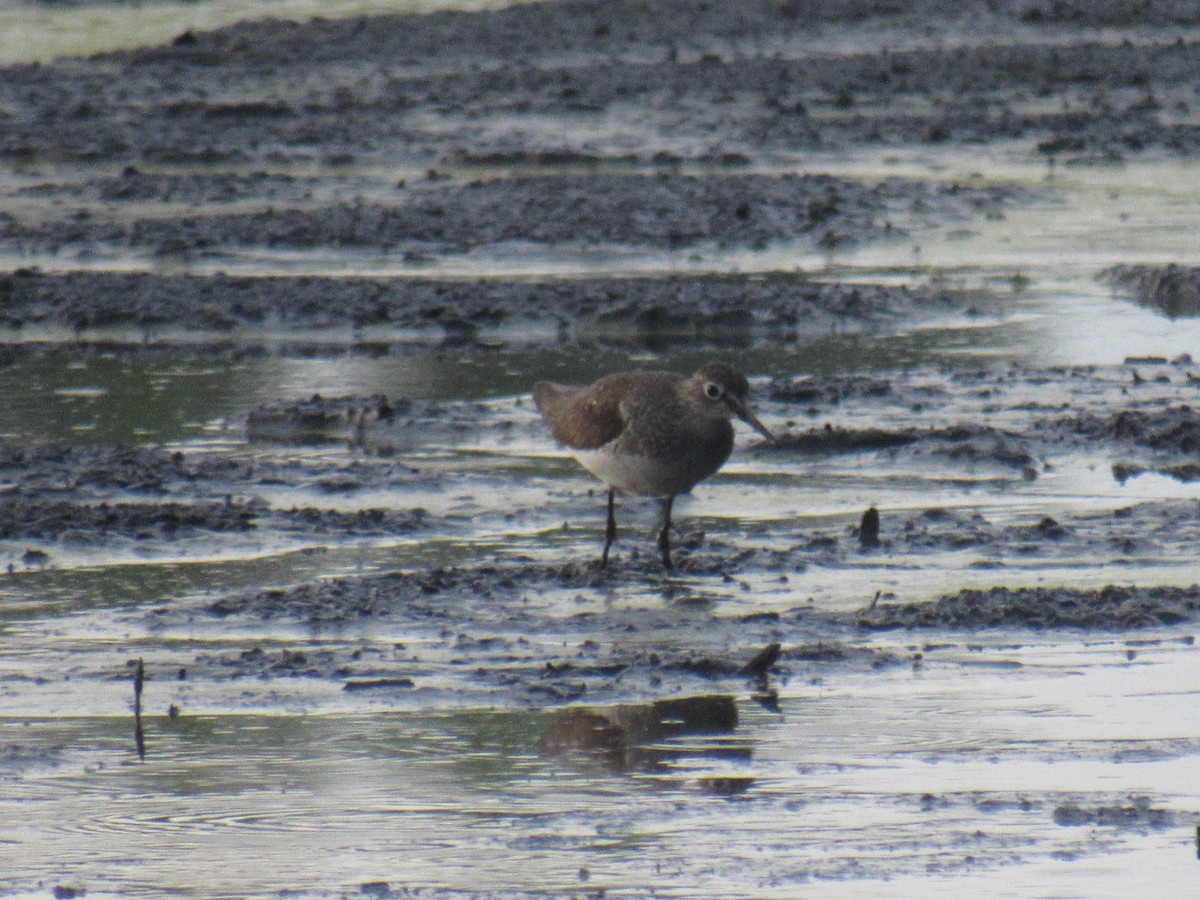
(579, 418)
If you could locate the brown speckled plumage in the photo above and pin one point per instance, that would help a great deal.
(650, 433)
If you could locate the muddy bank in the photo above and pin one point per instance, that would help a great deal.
(1140, 415)
(79, 496)
(76, 523)
(487, 628)
(725, 309)
(446, 595)
(488, 625)
(664, 211)
(1170, 434)
(676, 78)
(88, 470)
(1111, 607)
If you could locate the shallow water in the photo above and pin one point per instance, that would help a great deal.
(912, 781)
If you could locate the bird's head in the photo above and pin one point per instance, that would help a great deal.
(722, 390)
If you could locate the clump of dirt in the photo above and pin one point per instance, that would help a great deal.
(1175, 429)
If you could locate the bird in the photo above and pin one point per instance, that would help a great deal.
(655, 434)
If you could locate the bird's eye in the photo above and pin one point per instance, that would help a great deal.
(713, 390)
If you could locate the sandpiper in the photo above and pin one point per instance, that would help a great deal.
(652, 433)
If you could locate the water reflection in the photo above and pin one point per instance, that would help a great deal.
(650, 738)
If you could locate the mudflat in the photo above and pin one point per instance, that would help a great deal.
(272, 299)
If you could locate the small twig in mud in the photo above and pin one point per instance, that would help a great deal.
(139, 678)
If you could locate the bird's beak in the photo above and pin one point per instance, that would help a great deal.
(752, 420)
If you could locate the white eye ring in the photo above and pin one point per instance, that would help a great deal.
(713, 390)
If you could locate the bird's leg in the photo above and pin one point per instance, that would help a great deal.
(664, 536)
(610, 530)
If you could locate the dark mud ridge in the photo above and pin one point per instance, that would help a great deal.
(1171, 434)
(690, 80)
(1110, 607)
(1142, 416)
(89, 471)
(727, 309)
(57, 496)
(663, 211)
(441, 595)
(70, 522)
(480, 621)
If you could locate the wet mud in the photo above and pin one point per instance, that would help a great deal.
(684, 310)
(1111, 607)
(985, 427)
(713, 211)
(689, 82)
(440, 98)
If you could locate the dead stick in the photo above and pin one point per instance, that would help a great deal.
(139, 677)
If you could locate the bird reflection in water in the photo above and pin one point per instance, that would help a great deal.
(648, 738)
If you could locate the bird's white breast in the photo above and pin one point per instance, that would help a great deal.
(635, 474)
